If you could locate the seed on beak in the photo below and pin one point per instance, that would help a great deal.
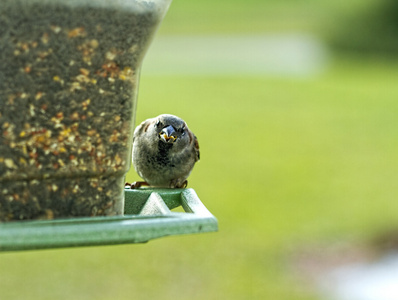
(168, 139)
(168, 134)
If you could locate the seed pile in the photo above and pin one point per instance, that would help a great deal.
(67, 89)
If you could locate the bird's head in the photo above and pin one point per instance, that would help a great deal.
(171, 130)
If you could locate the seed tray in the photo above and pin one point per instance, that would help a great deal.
(148, 215)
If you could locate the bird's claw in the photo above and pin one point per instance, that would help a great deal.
(179, 185)
(137, 184)
(184, 184)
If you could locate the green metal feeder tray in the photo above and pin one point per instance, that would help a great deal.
(147, 216)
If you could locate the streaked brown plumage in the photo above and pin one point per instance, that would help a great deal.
(164, 152)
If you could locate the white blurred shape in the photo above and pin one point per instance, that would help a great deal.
(374, 281)
(281, 55)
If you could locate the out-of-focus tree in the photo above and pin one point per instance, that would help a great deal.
(373, 30)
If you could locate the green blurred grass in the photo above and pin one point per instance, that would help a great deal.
(256, 16)
(284, 161)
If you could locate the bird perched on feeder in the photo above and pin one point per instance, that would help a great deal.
(164, 152)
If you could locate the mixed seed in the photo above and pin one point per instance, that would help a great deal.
(68, 81)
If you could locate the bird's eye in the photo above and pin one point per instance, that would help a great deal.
(157, 124)
(182, 130)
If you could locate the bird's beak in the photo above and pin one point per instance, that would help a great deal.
(168, 134)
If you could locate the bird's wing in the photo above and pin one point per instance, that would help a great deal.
(140, 129)
(196, 147)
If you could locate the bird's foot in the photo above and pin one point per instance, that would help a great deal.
(184, 184)
(136, 184)
(179, 185)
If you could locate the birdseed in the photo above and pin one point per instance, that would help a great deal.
(68, 83)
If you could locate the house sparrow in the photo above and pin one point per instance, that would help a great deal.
(164, 152)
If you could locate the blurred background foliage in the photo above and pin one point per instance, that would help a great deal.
(286, 162)
(372, 30)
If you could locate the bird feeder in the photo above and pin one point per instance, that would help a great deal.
(147, 215)
(69, 73)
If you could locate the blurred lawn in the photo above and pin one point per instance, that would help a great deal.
(284, 161)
